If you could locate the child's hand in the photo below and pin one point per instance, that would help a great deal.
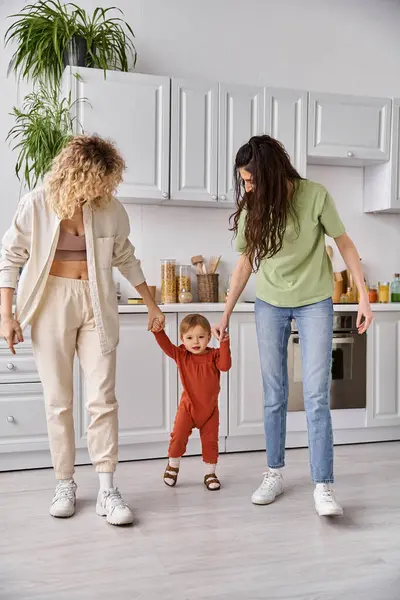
(157, 326)
(156, 319)
(224, 339)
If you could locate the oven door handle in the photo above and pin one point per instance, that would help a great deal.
(335, 340)
(342, 340)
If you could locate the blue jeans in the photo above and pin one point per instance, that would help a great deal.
(315, 325)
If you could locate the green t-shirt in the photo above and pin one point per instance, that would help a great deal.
(301, 272)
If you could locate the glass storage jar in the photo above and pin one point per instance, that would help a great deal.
(383, 292)
(168, 281)
(184, 284)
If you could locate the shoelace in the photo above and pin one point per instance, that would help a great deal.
(326, 494)
(114, 499)
(65, 490)
(268, 481)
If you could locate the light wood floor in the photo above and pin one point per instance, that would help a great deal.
(188, 543)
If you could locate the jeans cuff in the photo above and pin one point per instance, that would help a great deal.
(106, 467)
(331, 480)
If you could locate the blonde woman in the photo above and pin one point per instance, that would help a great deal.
(68, 235)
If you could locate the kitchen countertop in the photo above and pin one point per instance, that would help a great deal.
(197, 307)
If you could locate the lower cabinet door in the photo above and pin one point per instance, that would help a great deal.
(146, 385)
(22, 418)
(223, 396)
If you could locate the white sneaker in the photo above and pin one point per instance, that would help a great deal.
(64, 499)
(271, 487)
(111, 505)
(325, 503)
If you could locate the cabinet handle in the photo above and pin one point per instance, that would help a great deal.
(165, 195)
(11, 419)
(214, 197)
(350, 154)
(10, 367)
(223, 198)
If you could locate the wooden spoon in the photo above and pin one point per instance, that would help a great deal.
(198, 262)
(214, 263)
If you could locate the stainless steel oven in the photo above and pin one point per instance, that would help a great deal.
(349, 371)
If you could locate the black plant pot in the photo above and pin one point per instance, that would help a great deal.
(75, 53)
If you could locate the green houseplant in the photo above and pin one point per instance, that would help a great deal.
(42, 128)
(51, 34)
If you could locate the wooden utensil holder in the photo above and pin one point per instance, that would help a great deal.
(208, 287)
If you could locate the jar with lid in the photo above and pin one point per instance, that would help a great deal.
(373, 295)
(228, 285)
(168, 281)
(383, 292)
(184, 284)
(395, 289)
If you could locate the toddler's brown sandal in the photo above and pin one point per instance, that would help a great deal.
(171, 473)
(209, 479)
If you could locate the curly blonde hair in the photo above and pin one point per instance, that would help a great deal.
(88, 170)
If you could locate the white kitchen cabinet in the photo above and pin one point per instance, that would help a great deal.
(134, 111)
(194, 131)
(146, 388)
(245, 381)
(20, 367)
(241, 116)
(23, 425)
(348, 130)
(223, 396)
(286, 121)
(382, 182)
(383, 370)
(246, 396)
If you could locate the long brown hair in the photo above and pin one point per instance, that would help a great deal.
(268, 205)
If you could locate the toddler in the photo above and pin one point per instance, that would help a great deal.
(199, 369)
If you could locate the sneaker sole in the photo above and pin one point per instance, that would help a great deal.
(329, 512)
(101, 513)
(262, 502)
(64, 516)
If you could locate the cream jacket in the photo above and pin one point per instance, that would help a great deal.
(31, 243)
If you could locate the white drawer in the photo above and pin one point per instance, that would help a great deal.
(21, 367)
(18, 368)
(22, 414)
(27, 343)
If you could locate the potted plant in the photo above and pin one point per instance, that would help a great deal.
(42, 128)
(109, 40)
(51, 35)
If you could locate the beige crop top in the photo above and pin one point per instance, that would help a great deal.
(70, 247)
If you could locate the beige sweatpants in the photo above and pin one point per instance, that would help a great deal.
(63, 324)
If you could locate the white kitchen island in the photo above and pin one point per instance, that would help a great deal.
(148, 391)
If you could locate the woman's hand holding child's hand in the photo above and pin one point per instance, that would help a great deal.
(156, 321)
(220, 330)
(225, 338)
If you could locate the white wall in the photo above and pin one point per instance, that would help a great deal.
(348, 46)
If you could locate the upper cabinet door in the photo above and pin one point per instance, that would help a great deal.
(348, 129)
(395, 159)
(286, 121)
(134, 111)
(194, 125)
(241, 115)
(382, 181)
